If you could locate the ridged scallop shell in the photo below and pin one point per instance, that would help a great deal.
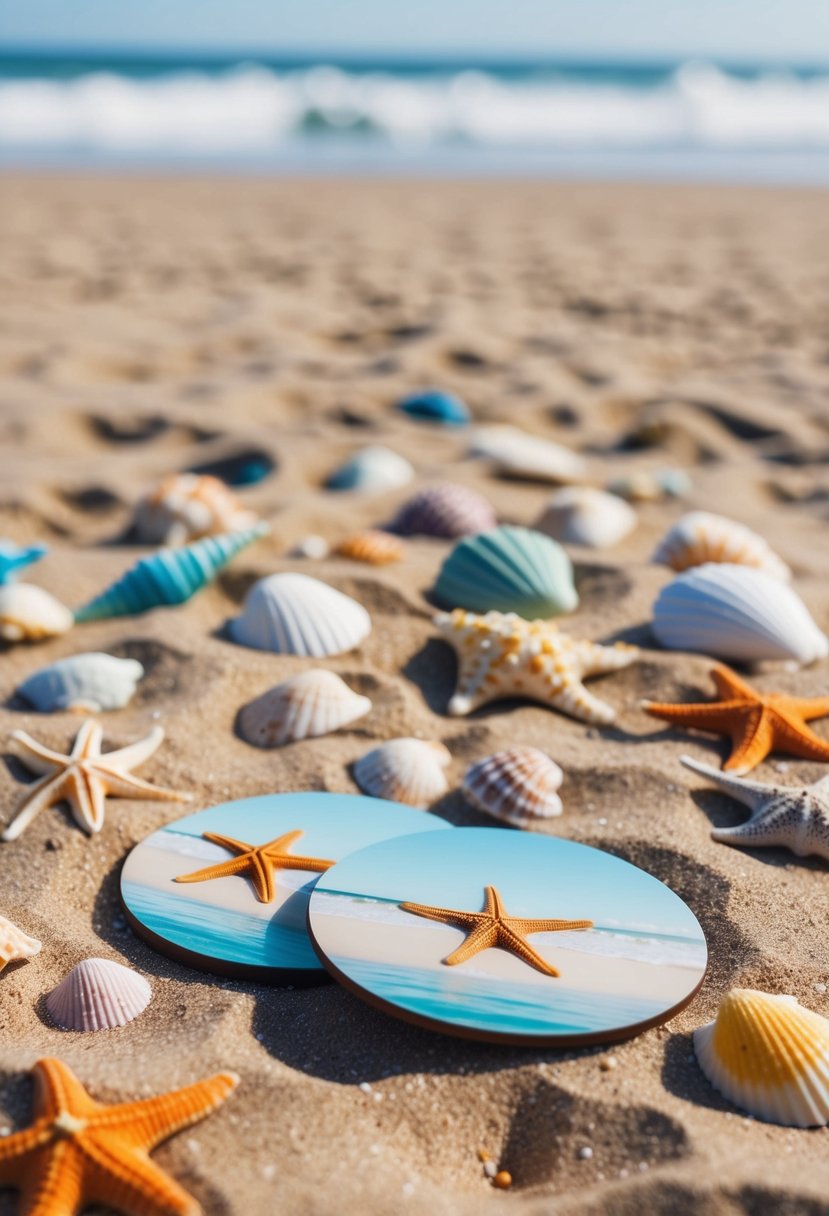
(448, 511)
(98, 994)
(14, 558)
(187, 506)
(28, 613)
(701, 537)
(736, 612)
(436, 405)
(508, 570)
(517, 454)
(517, 785)
(405, 770)
(769, 1056)
(88, 683)
(295, 614)
(169, 577)
(580, 515)
(15, 944)
(308, 705)
(372, 470)
(372, 546)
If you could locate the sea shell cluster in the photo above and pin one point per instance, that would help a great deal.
(518, 785)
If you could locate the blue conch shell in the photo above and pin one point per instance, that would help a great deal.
(14, 558)
(170, 576)
(436, 405)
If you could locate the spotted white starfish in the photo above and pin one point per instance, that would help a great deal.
(795, 817)
(85, 777)
(501, 655)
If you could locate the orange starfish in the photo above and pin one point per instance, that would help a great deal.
(258, 861)
(79, 1152)
(493, 927)
(758, 723)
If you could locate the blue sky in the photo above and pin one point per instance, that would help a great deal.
(776, 30)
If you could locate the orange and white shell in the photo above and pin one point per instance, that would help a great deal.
(29, 614)
(98, 994)
(310, 704)
(701, 537)
(405, 770)
(187, 506)
(373, 546)
(517, 785)
(769, 1056)
(15, 944)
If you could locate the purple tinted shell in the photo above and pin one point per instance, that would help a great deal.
(448, 511)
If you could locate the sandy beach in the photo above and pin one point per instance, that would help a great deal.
(160, 324)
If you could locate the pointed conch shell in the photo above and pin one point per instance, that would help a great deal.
(187, 506)
(372, 546)
(28, 614)
(86, 683)
(769, 1056)
(580, 515)
(701, 537)
(98, 994)
(517, 785)
(15, 944)
(446, 511)
(308, 705)
(405, 770)
(295, 614)
(508, 570)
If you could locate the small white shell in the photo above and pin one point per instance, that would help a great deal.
(515, 453)
(98, 994)
(295, 614)
(372, 470)
(405, 770)
(313, 547)
(88, 683)
(517, 785)
(187, 506)
(580, 515)
(308, 705)
(736, 612)
(701, 537)
(15, 944)
(28, 613)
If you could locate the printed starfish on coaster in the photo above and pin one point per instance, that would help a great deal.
(758, 723)
(85, 777)
(79, 1152)
(794, 817)
(258, 862)
(494, 927)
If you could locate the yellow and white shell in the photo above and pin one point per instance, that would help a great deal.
(769, 1056)
(29, 614)
(405, 770)
(701, 537)
(310, 704)
(374, 547)
(517, 785)
(187, 506)
(15, 944)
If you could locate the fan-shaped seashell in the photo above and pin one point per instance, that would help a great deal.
(295, 614)
(436, 405)
(736, 612)
(372, 546)
(508, 570)
(517, 785)
(28, 613)
(85, 682)
(15, 944)
(372, 470)
(445, 510)
(14, 558)
(308, 705)
(313, 547)
(701, 537)
(517, 454)
(580, 515)
(98, 995)
(769, 1056)
(187, 506)
(168, 577)
(405, 770)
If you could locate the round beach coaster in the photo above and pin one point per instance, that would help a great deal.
(226, 890)
(507, 937)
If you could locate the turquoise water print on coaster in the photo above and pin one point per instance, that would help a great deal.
(507, 937)
(226, 890)
(435, 405)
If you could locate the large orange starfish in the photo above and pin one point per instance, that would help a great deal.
(758, 723)
(79, 1152)
(258, 861)
(493, 927)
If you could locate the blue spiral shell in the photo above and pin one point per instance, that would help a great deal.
(14, 558)
(435, 405)
(170, 576)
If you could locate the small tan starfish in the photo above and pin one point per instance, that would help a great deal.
(494, 927)
(85, 777)
(257, 861)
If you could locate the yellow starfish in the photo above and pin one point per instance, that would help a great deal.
(85, 777)
(493, 927)
(258, 861)
(79, 1152)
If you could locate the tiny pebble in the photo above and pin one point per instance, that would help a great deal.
(819, 987)
(607, 1063)
(490, 1169)
(603, 822)
(643, 1167)
(269, 1172)
(503, 1180)
(365, 1087)
(484, 1155)
(585, 1153)
(408, 1189)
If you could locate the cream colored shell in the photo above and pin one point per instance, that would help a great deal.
(98, 994)
(405, 770)
(701, 537)
(29, 614)
(310, 704)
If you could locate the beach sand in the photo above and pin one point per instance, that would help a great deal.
(155, 325)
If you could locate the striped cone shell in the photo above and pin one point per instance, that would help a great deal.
(517, 785)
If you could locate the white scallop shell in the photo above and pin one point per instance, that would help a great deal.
(187, 506)
(372, 470)
(701, 537)
(517, 785)
(28, 613)
(98, 995)
(296, 614)
(736, 612)
(405, 770)
(15, 944)
(515, 453)
(88, 683)
(580, 515)
(308, 705)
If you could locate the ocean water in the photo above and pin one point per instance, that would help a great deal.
(240, 113)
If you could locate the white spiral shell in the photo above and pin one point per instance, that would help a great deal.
(28, 613)
(98, 994)
(88, 683)
(296, 614)
(308, 705)
(701, 537)
(405, 770)
(517, 785)
(581, 515)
